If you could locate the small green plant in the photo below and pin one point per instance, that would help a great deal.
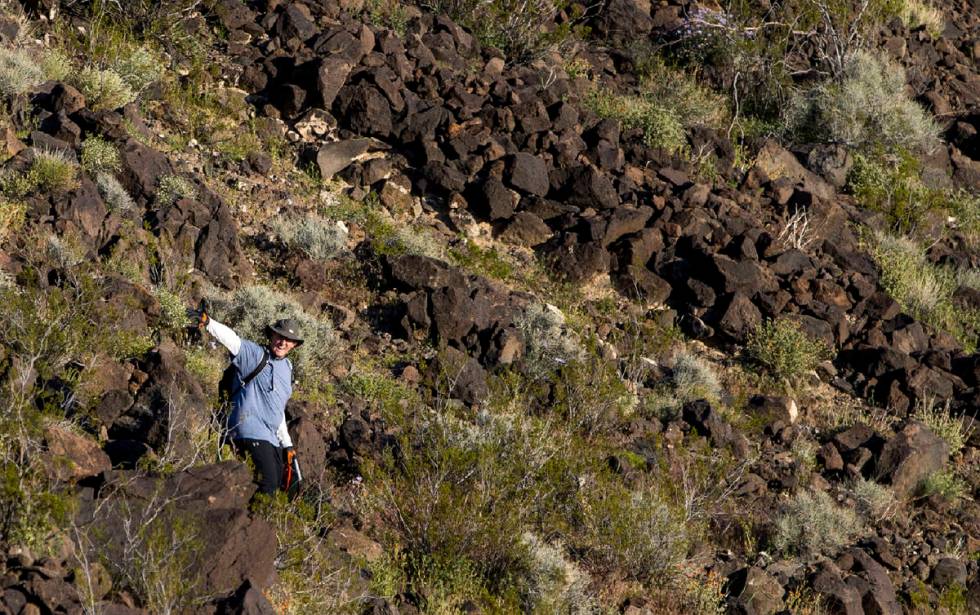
(50, 171)
(558, 584)
(640, 533)
(318, 238)
(99, 155)
(944, 483)
(783, 350)
(812, 524)
(19, 71)
(139, 68)
(662, 127)
(116, 197)
(923, 14)
(482, 261)
(938, 417)
(172, 310)
(695, 379)
(874, 502)
(55, 65)
(173, 188)
(104, 89)
(548, 341)
(392, 14)
(12, 216)
(923, 289)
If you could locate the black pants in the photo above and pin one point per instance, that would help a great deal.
(267, 460)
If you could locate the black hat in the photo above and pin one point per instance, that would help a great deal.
(287, 328)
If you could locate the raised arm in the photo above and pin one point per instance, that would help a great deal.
(224, 334)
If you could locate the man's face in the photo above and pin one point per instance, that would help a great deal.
(280, 346)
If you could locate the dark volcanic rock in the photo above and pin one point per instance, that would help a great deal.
(910, 456)
(528, 173)
(755, 592)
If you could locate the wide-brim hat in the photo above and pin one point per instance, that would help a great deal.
(287, 328)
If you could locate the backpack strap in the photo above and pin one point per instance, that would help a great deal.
(257, 370)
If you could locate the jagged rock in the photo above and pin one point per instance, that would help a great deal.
(413, 272)
(466, 379)
(337, 156)
(578, 262)
(740, 318)
(587, 187)
(528, 173)
(331, 77)
(620, 222)
(910, 456)
(246, 600)
(526, 229)
(495, 200)
(947, 572)
(640, 282)
(72, 456)
(755, 592)
(880, 598)
(774, 161)
(365, 110)
(776, 408)
(838, 596)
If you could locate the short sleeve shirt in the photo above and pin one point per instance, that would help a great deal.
(260, 407)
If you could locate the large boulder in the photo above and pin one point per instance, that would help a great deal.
(910, 456)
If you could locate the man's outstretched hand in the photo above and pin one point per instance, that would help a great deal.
(199, 315)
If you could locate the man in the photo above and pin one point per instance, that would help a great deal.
(263, 384)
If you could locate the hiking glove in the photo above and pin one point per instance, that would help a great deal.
(199, 315)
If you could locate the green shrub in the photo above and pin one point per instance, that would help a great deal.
(12, 215)
(172, 310)
(868, 106)
(310, 580)
(813, 525)
(939, 419)
(116, 197)
(19, 71)
(874, 502)
(139, 68)
(558, 584)
(173, 188)
(922, 14)
(923, 289)
(487, 262)
(50, 171)
(522, 29)
(104, 89)
(661, 126)
(318, 238)
(251, 308)
(944, 483)
(459, 492)
(55, 65)
(695, 379)
(782, 349)
(99, 155)
(638, 533)
(548, 342)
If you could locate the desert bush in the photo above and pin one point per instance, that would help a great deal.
(157, 555)
(945, 484)
(99, 155)
(318, 238)
(868, 106)
(590, 396)
(12, 215)
(172, 310)
(782, 349)
(139, 68)
(460, 492)
(874, 502)
(639, 533)
(104, 88)
(116, 197)
(922, 288)
(812, 525)
(309, 579)
(250, 309)
(172, 188)
(19, 71)
(522, 29)
(923, 14)
(694, 378)
(937, 416)
(558, 585)
(50, 171)
(64, 251)
(548, 342)
(55, 65)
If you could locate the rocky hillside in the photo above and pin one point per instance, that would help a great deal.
(623, 307)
